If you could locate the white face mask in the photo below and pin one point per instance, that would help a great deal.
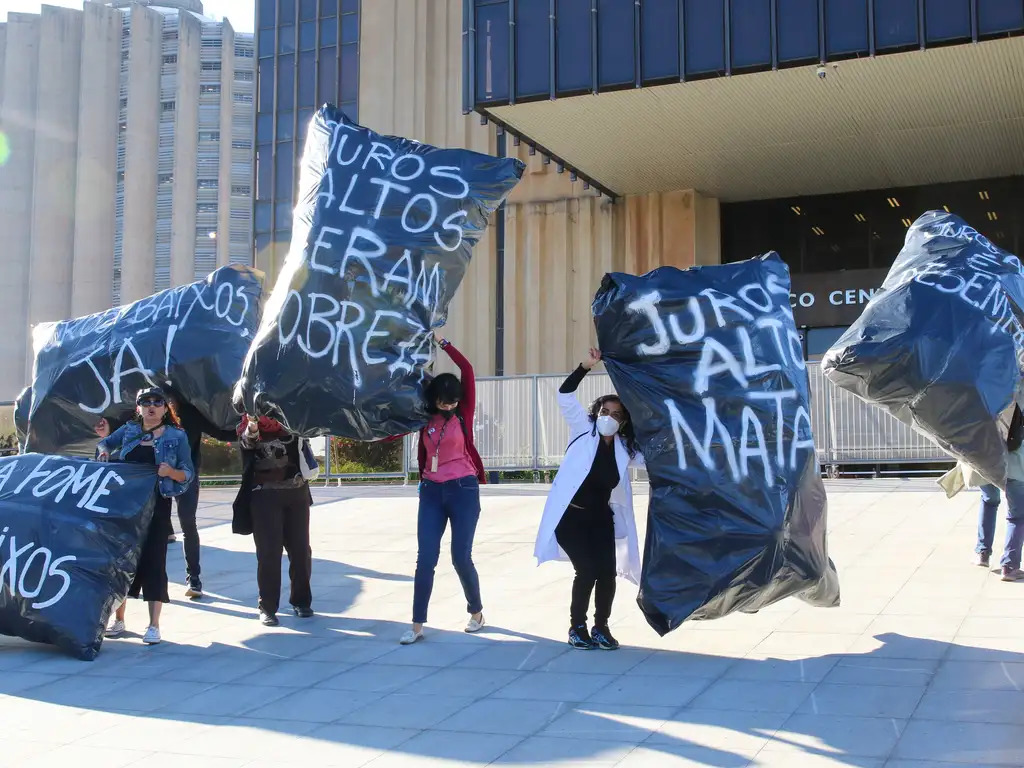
(607, 426)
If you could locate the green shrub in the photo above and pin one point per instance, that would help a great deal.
(351, 456)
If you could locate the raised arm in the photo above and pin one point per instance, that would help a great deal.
(573, 412)
(468, 404)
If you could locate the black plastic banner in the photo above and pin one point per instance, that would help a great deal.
(709, 364)
(192, 338)
(70, 535)
(941, 345)
(382, 236)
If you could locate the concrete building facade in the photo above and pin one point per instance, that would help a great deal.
(689, 132)
(129, 135)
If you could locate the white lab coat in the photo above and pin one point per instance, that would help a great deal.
(576, 464)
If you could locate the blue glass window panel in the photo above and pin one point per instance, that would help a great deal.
(705, 36)
(283, 215)
(264, 127)
(285, 81)
(751, 25)
(659, 39)
(307, 35)
(947, 20)
(267, 10)
(284, 163)
(328, 31)
(349, 72)
(307, 79)
(261, 215)
(995, 16)
(286, 39)
(264, 168)
(533, 57)
(573, 46)
(846, 27)
(265, 42)
(286, 12)
(266, 85)
(307, 9)
(492, 52)
(895, 24)
(285, 126)
(615, 41)
(327, 84)
(350, 28)
(798, 30)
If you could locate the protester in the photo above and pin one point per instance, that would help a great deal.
(188, 503)
(154, 436)
(451, 472)
(273, 504)
(990, 498)
(590, 506)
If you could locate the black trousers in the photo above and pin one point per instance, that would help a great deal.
(280, 522)
(151, 573)
(588, 538)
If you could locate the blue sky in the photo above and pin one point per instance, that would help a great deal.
(240, 12)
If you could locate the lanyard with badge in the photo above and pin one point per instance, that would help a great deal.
(437, 445)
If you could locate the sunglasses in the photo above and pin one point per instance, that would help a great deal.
(152, 403)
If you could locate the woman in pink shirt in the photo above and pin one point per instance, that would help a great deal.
(451, 473)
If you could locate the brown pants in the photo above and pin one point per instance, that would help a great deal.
(280, 521)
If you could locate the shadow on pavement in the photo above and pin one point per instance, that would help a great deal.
(336, 681)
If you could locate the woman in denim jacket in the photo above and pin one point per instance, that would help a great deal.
(154, 436)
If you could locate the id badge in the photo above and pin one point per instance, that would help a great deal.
(433, 463)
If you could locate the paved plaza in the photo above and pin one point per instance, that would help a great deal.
(921, 667)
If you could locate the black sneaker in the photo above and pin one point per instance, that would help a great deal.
(983, 559)
(303, 613)
(194, 589)
(603, 638)
(580, 638)
(268, 619)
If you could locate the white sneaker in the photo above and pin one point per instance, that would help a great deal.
(411, 637)
(474, 625)
(152, 636)
(116, 629)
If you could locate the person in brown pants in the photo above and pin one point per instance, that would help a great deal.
(273, 504)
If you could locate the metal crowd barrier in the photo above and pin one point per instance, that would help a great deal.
(520, 429)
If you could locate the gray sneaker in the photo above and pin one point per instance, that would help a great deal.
(1012, 574)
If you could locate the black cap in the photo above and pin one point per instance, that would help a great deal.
(154, 392)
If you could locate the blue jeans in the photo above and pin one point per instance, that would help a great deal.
(990, 498)
(458, 501)
(188, 505)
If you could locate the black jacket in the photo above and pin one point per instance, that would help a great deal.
(241, 509)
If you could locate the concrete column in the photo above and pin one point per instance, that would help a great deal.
(227, 113)
(92, 290)
(17, 116)
(186, 148)
(707, 231)
(56, 164)
(141, 149)
(3, 48)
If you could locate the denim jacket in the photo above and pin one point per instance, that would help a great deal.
(171, 448)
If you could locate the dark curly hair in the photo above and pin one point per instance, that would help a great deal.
(625, 430)
(444, 388)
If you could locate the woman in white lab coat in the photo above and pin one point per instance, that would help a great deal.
(588, 518)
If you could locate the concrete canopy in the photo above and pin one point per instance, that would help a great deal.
(944, 114)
